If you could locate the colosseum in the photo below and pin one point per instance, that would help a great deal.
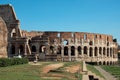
(57, 46)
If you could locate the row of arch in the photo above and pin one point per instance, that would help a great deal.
(103, 51)
(92, 51)
(42, 48)
(20, 49)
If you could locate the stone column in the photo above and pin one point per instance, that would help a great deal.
(82, 54)
(88, 52)
(69, 53)
(16, 49)
(109, 52)
(106, 52)
(101, 51)
(25, 50)
(82, 41)
(93, 52)
(97, 52)
(62, 53)
(76, 53)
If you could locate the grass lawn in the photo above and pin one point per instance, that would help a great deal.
(34, 72)
(94, 70)
(114, 70)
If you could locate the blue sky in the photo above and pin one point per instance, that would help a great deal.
(95, 16)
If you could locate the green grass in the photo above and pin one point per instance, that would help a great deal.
(94, 70)
(114, 70)
(33, 72)
(20, 72)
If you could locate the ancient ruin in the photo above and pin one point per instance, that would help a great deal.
(57, 46)
(3, 38)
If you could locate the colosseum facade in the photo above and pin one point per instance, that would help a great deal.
(57, 46)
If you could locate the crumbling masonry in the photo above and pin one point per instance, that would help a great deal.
(57, 46)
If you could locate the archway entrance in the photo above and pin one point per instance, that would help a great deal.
(72, 51)
(66, 51)
(13, 50)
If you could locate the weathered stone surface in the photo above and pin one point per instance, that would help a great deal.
(3, 38)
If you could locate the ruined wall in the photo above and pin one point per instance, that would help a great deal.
(72, 36)
(3, 39)
(31, 34)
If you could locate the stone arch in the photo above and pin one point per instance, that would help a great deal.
(85, 50)
(13, 49)
(72, 50)
(79, 50)
(107, 52)
(96, 50)
(66, 51)
(100, 63)
(104, 50)
(91, 52)
(107, 43)
(52, 49)
(59, 50)
(34, 48)
(13, 32)
(110, 52)
(65, 42)
(21, 50)
(100, 50)
(90, 43)
(111, 63)
(107, 62)
(104, 63)
(42, 49)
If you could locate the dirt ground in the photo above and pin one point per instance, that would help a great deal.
(47, 68)
(73, 69)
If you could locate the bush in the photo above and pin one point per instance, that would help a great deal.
(12, 61)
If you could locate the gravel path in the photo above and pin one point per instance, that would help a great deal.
(107, 75)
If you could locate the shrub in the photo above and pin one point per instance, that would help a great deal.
(12, 61)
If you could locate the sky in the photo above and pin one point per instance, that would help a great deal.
(94, 16)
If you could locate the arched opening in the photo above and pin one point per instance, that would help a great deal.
(79, 50)
(58, 35)
(21, 48)
(91, 52)
(104, 63)
(90, 43)
(95, 36)
(72, 50)
(107, 63)
(51, 49)
(110, 52)
(59, 50)
(100, 63)
(107, 43)
(42, 49)
(111, 63)
(65, 51)
(107, 52)
(100, 37)
(104, 51)
(72, 34)
(12, 49)
(13, 33)
(107, 38)
(33, 48)
(85, 50)
(65, 42)
(96, 51)
(100, 51)
(85, 36)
